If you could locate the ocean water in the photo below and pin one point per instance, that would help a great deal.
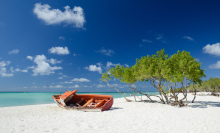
(8, 99)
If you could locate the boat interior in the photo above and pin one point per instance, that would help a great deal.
(82, 100)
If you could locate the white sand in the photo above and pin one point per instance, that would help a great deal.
(203, 116)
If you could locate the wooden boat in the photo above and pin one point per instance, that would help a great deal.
(83, 102)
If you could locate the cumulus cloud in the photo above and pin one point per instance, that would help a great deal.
(59, 50)
(109, 64)
(188, 38)
(50, 16)
(75, 86)
(30, 57)
(3, 70)
(43, 67)
(215, 66)
(54, 61)
(108, 52)
(213, 49)
(15, 51)
(56, 86)
(62, 38)
(81, 80)
(19, 70)
(94, 68)
(66, 82)
(100, 86)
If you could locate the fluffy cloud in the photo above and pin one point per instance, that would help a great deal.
(15, 51)
(50, 16)
(215, 66)
(66, 82)
(100, 86)
(59, 50)
(54, 61)
(109, 64)
(188, 38)
(3, 70)
(56, 86)
(81, 80)
(43, 67)
(18, 70)
(94, 68)
(213, 49)
(30, 57)
(75, 86)
(106, 52)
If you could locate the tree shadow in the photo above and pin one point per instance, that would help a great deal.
(204, 104)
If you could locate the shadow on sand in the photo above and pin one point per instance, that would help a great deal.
(203, 104)
(113, 108)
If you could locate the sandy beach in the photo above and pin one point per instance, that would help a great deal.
(124, 117)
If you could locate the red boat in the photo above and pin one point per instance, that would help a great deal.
(83, 102)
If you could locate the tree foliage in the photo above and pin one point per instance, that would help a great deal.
(160, 69)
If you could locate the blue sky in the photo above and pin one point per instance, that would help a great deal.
(65, 45)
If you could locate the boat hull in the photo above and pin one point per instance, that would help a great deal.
(83, 102)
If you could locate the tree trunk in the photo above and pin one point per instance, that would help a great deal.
(119, 92)
(194, 94)
(141, 93)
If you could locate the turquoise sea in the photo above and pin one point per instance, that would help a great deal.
(8, 99)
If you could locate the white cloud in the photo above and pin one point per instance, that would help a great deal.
(50, 16)
(126, 65)
(213, 49)
(75, 86)
(43, 68)
(15, 51)
(54, 61)
(60, 78)
(109, 64)
(94, 68)
(59, 50)
(66, 82)
(188, 38)
(4, 63)
(30, 67)
(3, 70)
(18, 70)
(81, 80)
(106, 52)
(215, 66)
(145, 40)
(100, 86)
(30, 57)
(56, 86)
(62, 38)
(99, 64)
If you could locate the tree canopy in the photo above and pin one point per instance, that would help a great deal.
(160, 69)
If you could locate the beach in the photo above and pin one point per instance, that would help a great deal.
(124, 117)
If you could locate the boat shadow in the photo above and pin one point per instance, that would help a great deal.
(204, 104)
(113, 108)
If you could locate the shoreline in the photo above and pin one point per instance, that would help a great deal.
(201, 116)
